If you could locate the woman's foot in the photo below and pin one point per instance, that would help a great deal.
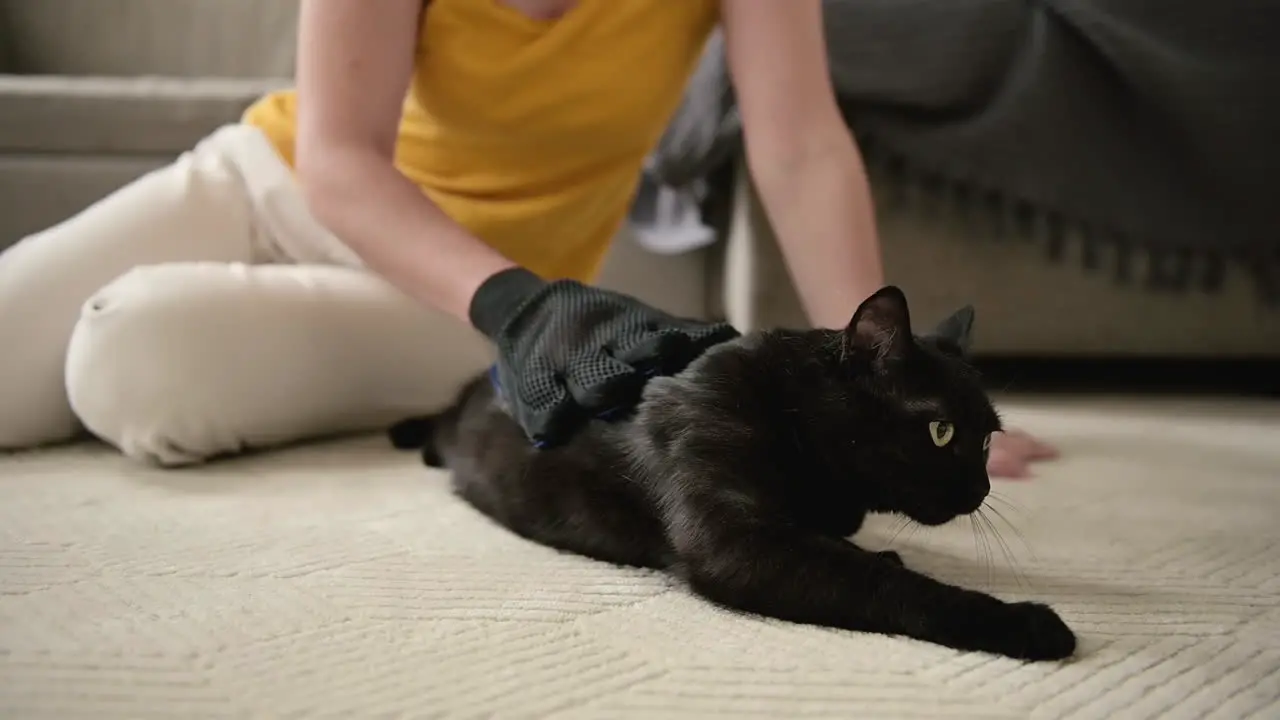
(1012, 453)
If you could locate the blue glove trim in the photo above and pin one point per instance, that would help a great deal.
(497, 390)
(493, 379)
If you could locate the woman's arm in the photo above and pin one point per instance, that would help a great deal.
(802, 156)
(810, 174)
(355, 60)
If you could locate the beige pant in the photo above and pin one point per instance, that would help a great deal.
(201, 310)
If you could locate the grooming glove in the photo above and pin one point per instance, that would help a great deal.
(568, 352)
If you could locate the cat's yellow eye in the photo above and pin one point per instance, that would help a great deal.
(986, 443)
(941, 432)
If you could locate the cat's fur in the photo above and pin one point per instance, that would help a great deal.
(745, 474)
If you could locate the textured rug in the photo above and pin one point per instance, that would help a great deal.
(342, 580)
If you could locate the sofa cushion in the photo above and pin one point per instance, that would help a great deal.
(176, 38)
(100, 115)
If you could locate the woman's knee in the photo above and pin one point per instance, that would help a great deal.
(176, 364)
(195, 209)
(132, 368)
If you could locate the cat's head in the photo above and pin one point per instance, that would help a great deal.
(918, 417)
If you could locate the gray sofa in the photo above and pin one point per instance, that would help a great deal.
(94, 93)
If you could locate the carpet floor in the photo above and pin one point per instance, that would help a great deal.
(343, 580)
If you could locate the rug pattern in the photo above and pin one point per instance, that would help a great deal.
(343, 580)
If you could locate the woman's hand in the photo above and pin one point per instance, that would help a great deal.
(568, 352)
(1012, 453)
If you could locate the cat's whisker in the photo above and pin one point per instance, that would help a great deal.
(1017, 532)
(991, 553)
(973, 530)
(902, 523)
(980, 547)
(915, 527)
(1013, 508)
(1009, 504)
(1009, 556)
(981, 521)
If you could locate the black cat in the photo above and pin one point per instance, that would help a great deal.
(745, 474)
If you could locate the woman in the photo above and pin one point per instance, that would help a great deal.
(325, 265)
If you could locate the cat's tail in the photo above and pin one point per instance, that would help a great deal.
(417, 433)
(411, 433)
(436, 436)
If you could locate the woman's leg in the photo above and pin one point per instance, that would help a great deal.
(194, 209)
(179, 363)
(155, 315)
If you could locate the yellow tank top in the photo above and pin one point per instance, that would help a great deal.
(532, 134)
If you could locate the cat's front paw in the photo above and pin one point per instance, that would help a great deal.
(1033, 631)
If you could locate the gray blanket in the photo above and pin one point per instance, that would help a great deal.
(1137, 126)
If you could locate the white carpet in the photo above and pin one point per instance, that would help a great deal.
(344, 581)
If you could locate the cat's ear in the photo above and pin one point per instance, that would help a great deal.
(881, 327)
(956, 332)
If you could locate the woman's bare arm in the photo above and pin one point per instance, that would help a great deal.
(355, 61)
(811, 177)
(802, 156)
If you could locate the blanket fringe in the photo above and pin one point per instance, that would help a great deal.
(1003, 217)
